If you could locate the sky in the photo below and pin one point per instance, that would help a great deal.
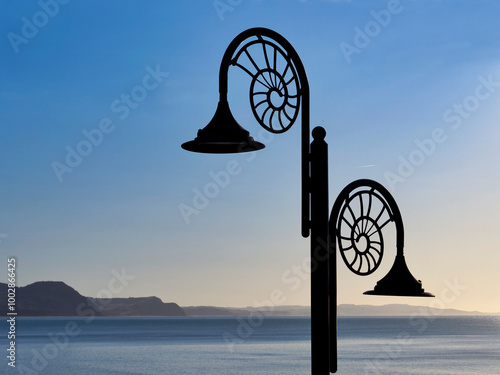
(97, 97)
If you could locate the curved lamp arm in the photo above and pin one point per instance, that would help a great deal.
(264, 41)
(358, 217)
(362, 209)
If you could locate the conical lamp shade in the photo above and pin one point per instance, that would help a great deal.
(223, 135)
(399, 282)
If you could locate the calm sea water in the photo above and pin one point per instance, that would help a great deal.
(271, 346)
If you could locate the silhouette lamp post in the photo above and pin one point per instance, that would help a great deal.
(363, 208)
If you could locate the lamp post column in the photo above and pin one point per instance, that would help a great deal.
(320, 319)
(280, 70)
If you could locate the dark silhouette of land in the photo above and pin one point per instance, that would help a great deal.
(140, 306)
(55, 298)
(343, 310)
(48, 298)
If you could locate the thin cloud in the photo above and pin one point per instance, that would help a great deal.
(366, 166)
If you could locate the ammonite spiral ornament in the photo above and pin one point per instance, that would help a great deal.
(275, 87)
(362, 216)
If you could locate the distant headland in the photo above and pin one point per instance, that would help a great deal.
(55, 298)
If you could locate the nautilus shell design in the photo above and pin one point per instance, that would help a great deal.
(362, 216)
(275, 87)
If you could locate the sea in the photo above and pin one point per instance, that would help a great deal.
(252, 345)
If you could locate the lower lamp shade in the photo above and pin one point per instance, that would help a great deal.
(399, 282)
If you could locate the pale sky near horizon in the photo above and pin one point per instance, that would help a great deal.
(408, 91)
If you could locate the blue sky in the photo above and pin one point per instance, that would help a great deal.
(428, 76)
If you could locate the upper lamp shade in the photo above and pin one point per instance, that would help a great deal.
(223, 135)
(399, 282)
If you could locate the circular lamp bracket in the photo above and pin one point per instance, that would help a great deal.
(360, 214)
(275, 88)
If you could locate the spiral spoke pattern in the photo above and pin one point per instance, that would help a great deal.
(275, 87)
(359, 226)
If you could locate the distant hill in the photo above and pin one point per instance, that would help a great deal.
(343, 310)
(55, 298)
(210, 311)
(142, 306)
(43, 298)
(399, 310)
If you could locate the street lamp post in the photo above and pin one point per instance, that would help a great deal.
(278, 90)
